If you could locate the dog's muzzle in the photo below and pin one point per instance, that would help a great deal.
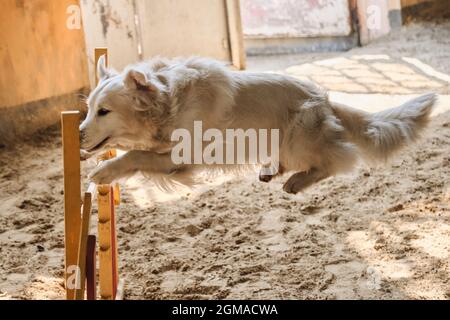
(82, 136)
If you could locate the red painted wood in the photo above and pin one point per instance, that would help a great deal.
(91, 268)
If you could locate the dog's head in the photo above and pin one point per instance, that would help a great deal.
(124, 110)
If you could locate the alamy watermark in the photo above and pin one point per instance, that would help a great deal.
(228, 147)
(73, 21)
(73, 281)
(373, 17)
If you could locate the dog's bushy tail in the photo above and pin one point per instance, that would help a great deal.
(379, 135)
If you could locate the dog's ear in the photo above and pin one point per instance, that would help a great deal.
(102, 71)
(137, 80)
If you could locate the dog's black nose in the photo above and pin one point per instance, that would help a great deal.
(82, 135)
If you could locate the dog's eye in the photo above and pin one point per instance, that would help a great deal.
(102, 112)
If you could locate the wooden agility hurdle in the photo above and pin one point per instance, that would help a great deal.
(80, 243)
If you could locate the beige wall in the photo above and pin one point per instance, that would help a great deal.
(43, 66)
(184, 27)
(39, 56)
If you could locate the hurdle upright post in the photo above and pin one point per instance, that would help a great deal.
(98, 53)
(72, 197)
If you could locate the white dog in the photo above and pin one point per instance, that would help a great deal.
(137, 111)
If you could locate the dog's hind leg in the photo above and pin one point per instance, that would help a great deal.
(301, 180)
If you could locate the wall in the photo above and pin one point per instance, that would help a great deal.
(291, 26)
(288, 26)
(184, 27)
(112, 25)
(395, 13)
(141, 29)
(295, 18)
(373, 19)
(43, 65)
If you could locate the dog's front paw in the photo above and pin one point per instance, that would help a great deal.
(104, 173)
(265, 177)
(84, 155)
(270, 171)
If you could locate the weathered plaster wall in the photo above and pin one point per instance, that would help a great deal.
(295, 18)
(110, 24)
(142, 29)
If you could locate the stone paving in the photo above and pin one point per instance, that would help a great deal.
(371, 74)
(372, 82)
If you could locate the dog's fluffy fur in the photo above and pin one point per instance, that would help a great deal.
(138, 109)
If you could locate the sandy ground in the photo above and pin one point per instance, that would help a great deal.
(381, 233)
